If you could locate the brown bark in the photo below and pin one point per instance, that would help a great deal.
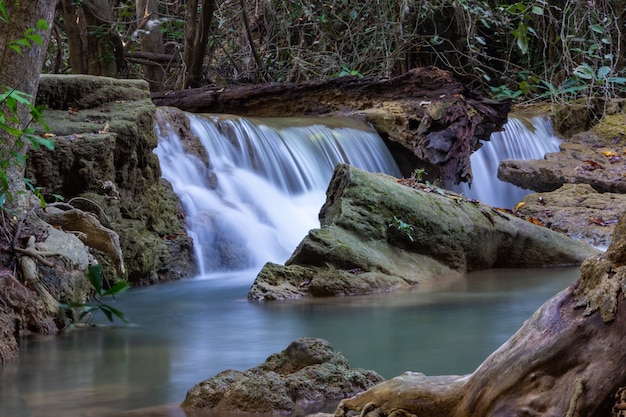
(566, 360)
(95, 48)
(196, 41)
(73, 19)
(425, 110)
(20, 71)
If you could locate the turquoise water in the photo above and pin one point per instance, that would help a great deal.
(187, 331)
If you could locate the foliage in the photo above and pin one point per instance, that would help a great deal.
(560, 50)
(94, 274)
(400, 226)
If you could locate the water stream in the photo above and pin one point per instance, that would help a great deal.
(265, 183)
(258, 207)
(184, 332)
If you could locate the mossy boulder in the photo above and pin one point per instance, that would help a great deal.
(378, 234)
(306, 374)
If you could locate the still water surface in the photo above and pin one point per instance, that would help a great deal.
(187, 331)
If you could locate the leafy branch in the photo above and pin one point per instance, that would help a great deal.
(88, 310)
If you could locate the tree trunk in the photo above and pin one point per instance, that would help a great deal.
(20, 71)
(95, 48)
(196, 41)
(425, 110)
(567, 360)
(151, 41)
(73, 19)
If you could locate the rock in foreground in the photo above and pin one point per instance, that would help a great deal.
(308, 372)
(379, 235)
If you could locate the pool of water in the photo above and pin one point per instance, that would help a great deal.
(187, 331)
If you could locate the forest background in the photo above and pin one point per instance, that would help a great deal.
(538, 50)
(529, 50)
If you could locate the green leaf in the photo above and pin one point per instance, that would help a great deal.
(35, 37)
(37, 141)
(537, 10)
(94, 274)
(616, 80)
(4, 18)
(87, 310)
(603, 72)
(114, 311)
(584, 71)
(106, 311)
(522, 37)
(118, 288)
(42, 25)
(596, 28)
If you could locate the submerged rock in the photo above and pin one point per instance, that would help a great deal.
(308, 372)
(378, 235)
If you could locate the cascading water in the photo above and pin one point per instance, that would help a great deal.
(523, 138)
(265, 182)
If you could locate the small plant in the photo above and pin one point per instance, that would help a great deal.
(403, 228)
(94, 274)
(418, 174)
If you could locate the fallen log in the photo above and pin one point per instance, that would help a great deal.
(566, 360)
(426, 111)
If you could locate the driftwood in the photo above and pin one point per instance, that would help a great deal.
(567, 360)
(427, 111)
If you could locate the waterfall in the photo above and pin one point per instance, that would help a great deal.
(523, 138)
(264, 183)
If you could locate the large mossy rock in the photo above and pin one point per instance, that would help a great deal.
(104, 163)
(377, 234)
(308, 373)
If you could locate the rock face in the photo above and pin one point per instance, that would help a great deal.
(308, 372)
(104, 163)
(378, 235)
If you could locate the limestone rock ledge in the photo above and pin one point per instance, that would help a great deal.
(104, 163)
(377, 235)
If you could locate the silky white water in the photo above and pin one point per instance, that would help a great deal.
(523, 138)
(264, 182)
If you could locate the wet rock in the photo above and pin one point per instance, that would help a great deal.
(308, 372)
(379, 235)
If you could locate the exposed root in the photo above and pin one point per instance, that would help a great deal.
(579, 388)
(91, 232)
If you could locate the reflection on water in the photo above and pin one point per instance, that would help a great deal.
(187, 331)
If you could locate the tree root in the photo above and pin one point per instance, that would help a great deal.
(90, 231)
